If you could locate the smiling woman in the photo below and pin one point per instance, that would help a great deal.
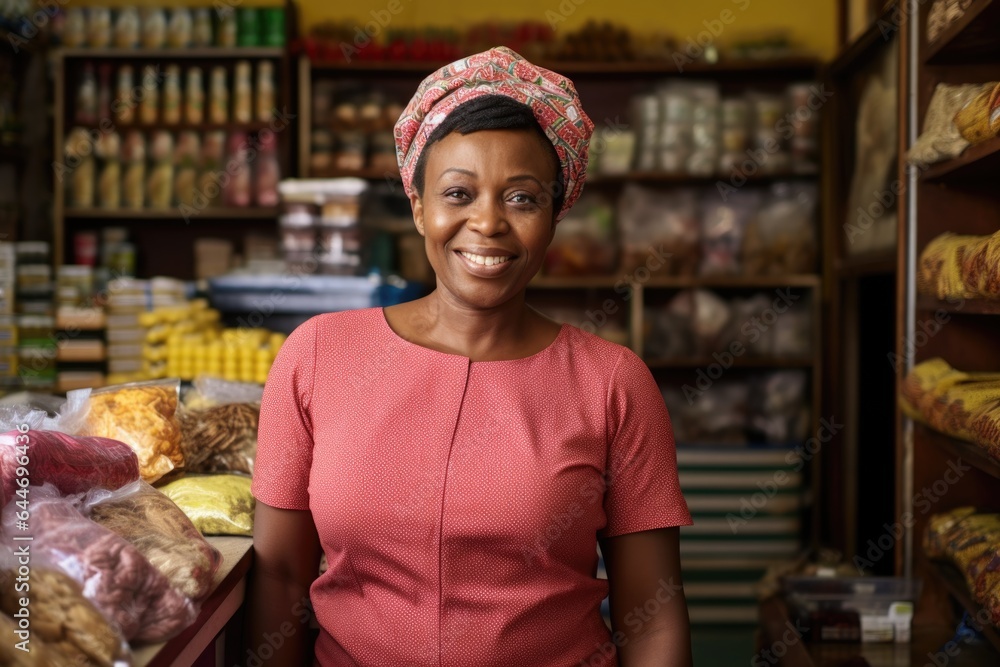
(459, 492)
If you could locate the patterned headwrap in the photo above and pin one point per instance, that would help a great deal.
(500, 71)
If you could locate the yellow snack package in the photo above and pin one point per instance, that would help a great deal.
(216, 504)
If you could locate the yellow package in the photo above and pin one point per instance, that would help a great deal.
(216, 504)
(142, 415)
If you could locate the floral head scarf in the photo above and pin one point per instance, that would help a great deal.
(500, 71)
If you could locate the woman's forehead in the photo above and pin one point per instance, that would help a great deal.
(493, 150)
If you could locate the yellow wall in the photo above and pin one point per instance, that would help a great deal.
(812, 23)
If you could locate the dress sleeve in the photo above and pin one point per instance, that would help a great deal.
(643, 492)
(284, 434)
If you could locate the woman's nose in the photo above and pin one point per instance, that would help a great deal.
(488, 218)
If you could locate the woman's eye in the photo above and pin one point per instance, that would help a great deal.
(522, 198)
(455, 194)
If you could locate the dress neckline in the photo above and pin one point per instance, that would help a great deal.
(531, 357)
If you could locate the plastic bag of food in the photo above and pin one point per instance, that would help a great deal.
(939, 528)
(659, 231)
(161, 532)
(66, 628)
(667, 329)
(708, 413)
(710, 317)
(940, 138)
(585, 242)
(979, 119)
(985, 428)
(131, 594)
(73, 464)
(216, 504)
(722, 227)
(221, 438)
(208, 392)
(781, 238)
(142, 415)
(778, 406)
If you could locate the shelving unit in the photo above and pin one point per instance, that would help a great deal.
(952, 580)
(952, 196)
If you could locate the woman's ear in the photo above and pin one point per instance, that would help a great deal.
(417, 206)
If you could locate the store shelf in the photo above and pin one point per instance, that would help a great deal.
(778, 66)
(748, 282)
(969, 452)
(577, 282)
(367, 174)
(966, 306)
(162, 55)
(977, 162)
(971, 40)
(860, 50)
(738, 362)
(254, 126)
(953, 580)
(868, 264)
(217, 213)
(663, 178)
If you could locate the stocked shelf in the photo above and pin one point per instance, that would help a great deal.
(970, 306)
(738, 362)
(367, 174)
(777, 66)
(977, 162)
(967, 451)
(953, 581)
(215, 213)
(665, 178)
(253, 126)
(161, 55)
(971, 39)
(676, 282)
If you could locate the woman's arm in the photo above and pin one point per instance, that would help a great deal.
(286, 562)
(649, 615)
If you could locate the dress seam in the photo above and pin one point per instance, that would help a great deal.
(607, 408)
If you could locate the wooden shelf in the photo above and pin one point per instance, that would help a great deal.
(739, 362)
(576, 282)
(367, 174)
(165, 54)
(663, 178)
(253, 126)
(970, 453)
(217, 213)
(749, 282)
(953, 580)
(868, 264)
(967, 306)
(977, 162)
(970, 40)
(860, 50)
(802, 66)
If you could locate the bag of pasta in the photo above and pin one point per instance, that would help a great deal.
(222, 438)
(161, 532)
(142, 415)
(940, 528)
(216, 504)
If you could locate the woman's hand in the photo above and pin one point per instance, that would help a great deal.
(649, 615)
(286, 562)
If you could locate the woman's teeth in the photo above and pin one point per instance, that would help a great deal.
(480, 259)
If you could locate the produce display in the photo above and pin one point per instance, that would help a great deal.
(971, 542)
(222, 438)
(142, 415)
(67, 629)
(957, 266)
(132, 594)
(216, 504)
(155, 526)
(960, 404)
(71, 464)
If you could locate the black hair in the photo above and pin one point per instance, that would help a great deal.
(491, 112)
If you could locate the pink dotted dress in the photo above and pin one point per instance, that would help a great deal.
(459, 502)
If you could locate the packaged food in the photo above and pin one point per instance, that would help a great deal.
(127, 28)
(123, 107)
(128, 591)
(150, 102)
(67, 629)
(585, 242)
(265, 98)
(86, 98)
(238, 192)
(179, 28)
(98, 27)
(208, 392)
(778, 407)
(781, 238)
(201, 31)
(154, 28)
(80, 150)
(109, 191)
(659, 231)
(194, 97)
(74, 34)
(940, 139)
(134, 181)
(171, 114)
(218, 96)
(222, 438)
(242, 93)
(722, 228)
(216, 504)
(267, 174)
(72, 464)
(186, 176)
(142, 415)
(154, 525)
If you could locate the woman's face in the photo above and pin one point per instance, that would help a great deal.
(486, 213)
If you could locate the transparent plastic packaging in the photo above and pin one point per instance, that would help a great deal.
(131, 594)
(216, 504)
(222, 438)
(722, 228)
(208, 392)
(160, 530)
(659, 231)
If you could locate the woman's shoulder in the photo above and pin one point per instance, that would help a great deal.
(342, 328)
(592, 350)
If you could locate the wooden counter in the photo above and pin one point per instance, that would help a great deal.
(228, 592)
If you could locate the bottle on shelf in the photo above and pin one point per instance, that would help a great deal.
(127, 28)
(201, 30)
(180, 28)
(86, 97)
(160, 182)
(242, 93)
(150, 98)
(172, 96)
(104, 92)
(124, 105)
(218, 96)
(213, 155)
(268, 171)
(238, 190)
(265, 98)
(109, 179)
(194, 97)
(186, 176)
(134, 180)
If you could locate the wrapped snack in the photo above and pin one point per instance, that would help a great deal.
(940, 267)
(781, 238)
(220, 439)
(142, 416)
(207, 392)
(585, 242)
(939, 527)
(659, 231)
(216, 504)
(161, 532)
(67, 629)
(985, 428)
(979, 119)
(72, 464)
(38, 656)
(710, 317)
(779, 407)
(131, 594)
(722, 228)
(940, 138)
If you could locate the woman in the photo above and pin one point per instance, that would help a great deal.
(458, 458)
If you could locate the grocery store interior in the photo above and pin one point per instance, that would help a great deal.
(790, 215)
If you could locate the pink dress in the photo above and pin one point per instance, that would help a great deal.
(458, 502)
